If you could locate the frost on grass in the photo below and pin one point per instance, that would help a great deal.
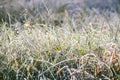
(86, 48)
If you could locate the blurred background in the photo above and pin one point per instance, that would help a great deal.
(34, 8)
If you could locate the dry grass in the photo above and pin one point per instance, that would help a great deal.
(81, 49)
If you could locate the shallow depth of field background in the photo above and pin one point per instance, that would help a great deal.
(59, 39)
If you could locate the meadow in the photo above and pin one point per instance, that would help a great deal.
(60, 47)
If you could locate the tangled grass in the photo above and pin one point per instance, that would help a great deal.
(86, 48)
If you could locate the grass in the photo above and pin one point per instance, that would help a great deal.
(86, 48)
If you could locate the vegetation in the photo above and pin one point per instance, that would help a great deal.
(61, 48)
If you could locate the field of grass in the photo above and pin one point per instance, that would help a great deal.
(61, 48)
